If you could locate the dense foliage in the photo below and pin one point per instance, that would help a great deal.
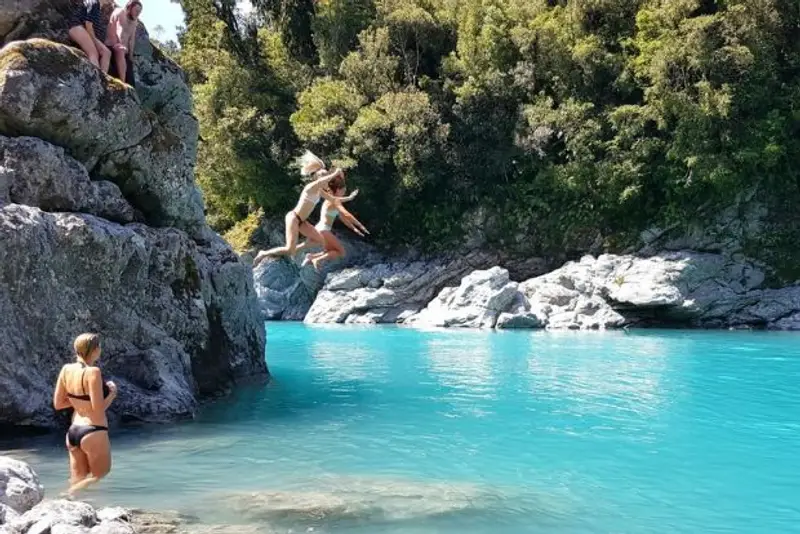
(543, 124)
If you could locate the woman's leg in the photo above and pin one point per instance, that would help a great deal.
(291, 238)
(105, 55)
(78, 464)
(333, 250)
(84, 40)
(97, 448)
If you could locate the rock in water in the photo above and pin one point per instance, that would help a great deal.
(388, 292)
(476, 303)
(102, 229)
(20, 489)
(175, 317)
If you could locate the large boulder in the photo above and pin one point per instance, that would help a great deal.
(476, 303)
(388, 292)
(21, 19)
(178, 318)
(48, 91)
(36, 173)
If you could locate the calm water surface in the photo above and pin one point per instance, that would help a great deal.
(393, 430)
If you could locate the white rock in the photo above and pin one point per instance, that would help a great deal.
(20, 489)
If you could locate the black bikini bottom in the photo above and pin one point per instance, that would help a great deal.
(76, 433)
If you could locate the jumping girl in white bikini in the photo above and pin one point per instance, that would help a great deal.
(331, 209)
(296, 219)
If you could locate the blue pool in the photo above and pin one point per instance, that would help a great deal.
(394, 430)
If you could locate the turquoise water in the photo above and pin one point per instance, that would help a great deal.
(394, 430)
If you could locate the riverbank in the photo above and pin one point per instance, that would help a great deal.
(681, 288)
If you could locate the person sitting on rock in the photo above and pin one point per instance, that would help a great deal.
(89, 32)
(80, 387)
(333, 248)
(121, 38)
(296, 219)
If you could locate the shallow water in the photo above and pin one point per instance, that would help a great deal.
(396, 430)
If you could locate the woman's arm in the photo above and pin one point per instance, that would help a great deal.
(338, 200)
(350, 220)
(95, 381)
(60, 399)
(319, 182)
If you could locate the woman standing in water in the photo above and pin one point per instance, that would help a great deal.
(331, 209)
(296, 220)
(80, 386)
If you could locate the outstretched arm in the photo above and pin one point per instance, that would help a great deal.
(339, 200)
(351, 222)
(324, 179)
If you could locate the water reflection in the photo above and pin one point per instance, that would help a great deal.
(464, 369)
(633, 377)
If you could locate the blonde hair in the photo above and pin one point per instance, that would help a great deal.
(85, 345)
(310, 164)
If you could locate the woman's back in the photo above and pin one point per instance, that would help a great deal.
(78, 379)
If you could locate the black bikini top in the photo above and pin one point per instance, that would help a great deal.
(106, 390)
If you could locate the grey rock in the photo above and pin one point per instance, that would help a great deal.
(36, 173)
(61, 528)
(20, 489)
(51, 91)
(158, 177)
(114, 513)
(683, 288)
(476, 303)
(178, 318)
(7, 515)
(20, 19)
(56, 514)
(389, 292)
(286, 290)
(163, 89)
(113, 527)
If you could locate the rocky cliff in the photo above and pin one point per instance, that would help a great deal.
(687, 277)
(102, 229)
